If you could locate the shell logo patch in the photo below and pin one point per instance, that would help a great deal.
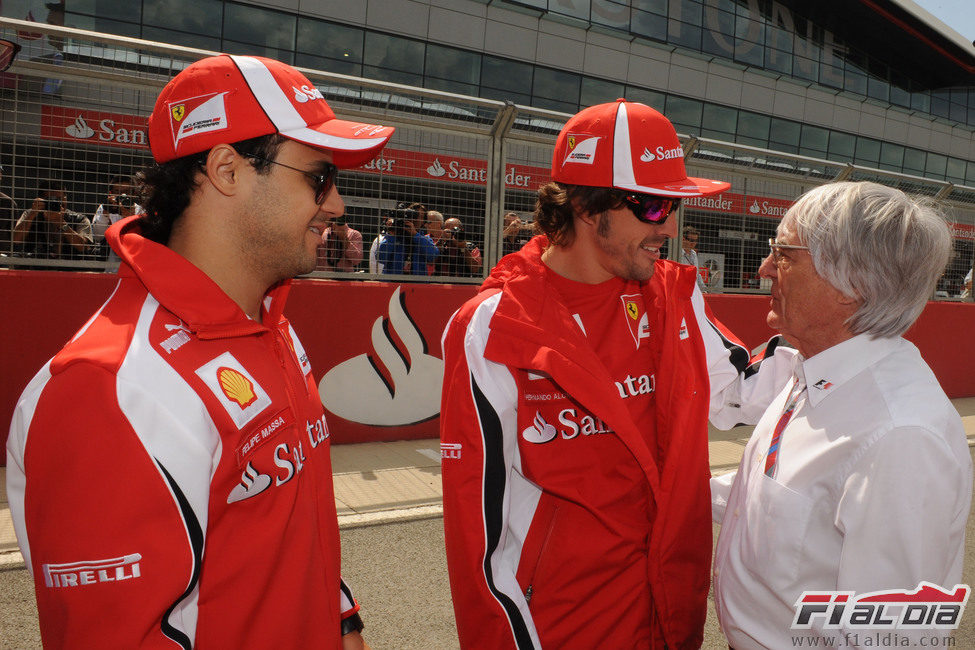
(236, 387)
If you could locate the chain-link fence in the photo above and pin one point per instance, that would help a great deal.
(73, 131)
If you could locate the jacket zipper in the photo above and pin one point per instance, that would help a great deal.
(530, 590)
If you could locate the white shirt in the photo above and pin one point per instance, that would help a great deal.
(872, 492)
(690, 257)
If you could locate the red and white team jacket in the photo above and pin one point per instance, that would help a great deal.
(562, 529)
(168, 473)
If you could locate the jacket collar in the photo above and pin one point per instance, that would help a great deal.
(185, 290)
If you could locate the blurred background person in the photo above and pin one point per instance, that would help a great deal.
(456, 252)
(374, 265)
(120, 202)
(515, 235)
(49, 230)
(403, 249)
(341, 248)
(688, 255)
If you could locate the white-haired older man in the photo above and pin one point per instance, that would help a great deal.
(858, 478)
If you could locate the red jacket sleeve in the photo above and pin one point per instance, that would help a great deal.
(491, 612)
(112, 548)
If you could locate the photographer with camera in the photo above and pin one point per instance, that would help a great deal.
(515, 235)
(341, 248)
(49, 230)
(119, 203)
(403, 249)
(457, 254)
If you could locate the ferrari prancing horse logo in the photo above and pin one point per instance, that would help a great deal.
(178, 111)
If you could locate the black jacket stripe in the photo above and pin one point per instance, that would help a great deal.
(494, 486)
(195, 532)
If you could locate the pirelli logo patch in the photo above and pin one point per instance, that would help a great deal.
(78, 574)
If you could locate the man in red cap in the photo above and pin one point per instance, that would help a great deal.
(168, 470)
(577, 389)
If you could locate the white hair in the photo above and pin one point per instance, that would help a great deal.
(877, 245)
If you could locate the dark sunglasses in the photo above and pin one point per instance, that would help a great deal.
(649, 208)
(323, 182)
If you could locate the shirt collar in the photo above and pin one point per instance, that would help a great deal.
(833, 367)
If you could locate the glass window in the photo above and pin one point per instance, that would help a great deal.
(814, 140)
(754, 126)
(720, 119)
(246, 24)
(555, 105)
(868, 151)
(685, 34)
(891, 156)
(103, 25)
(784, 132)
(651, 25)
(920, 100)
(180, 38)
(525, 99)
(449, 86)
(956, 170)
(353, 68)
(395, 54)
(685, 113)
(842, 146)
(598, 91)
(611, 13)
(113, 9)
(556, 84)
(914, 160)
(252, 49)
(453, 64)
(900, 90)
(936, 165)
(395, 76)
(651, 98)
(504, 74)
(855, 72)
(194, 16)
(719, 37)
(779, 45)
(329, 40)
(750, 37)
(878, 85)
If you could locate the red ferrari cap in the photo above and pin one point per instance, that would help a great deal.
(226, 99)
(628, 146)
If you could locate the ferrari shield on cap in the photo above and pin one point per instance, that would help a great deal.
(227, 99)
(628, 146)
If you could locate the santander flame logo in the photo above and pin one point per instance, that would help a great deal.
(396, 384)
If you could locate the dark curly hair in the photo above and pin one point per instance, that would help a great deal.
(554, 211)
(165, 189)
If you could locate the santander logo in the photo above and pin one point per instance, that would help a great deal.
(397, 383)
(661, 154)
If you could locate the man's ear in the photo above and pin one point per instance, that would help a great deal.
(224, 169)
(582, 214)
